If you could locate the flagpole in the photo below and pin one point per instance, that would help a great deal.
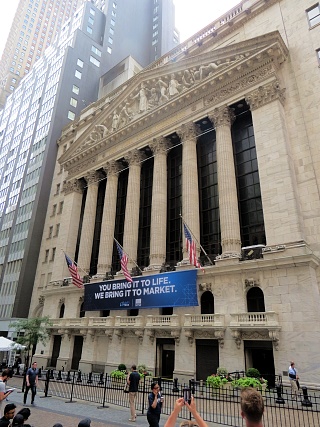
(196, 240)
(128, 255)
(76, 264)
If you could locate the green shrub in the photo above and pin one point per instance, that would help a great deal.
(253, 373)
(246, 382)
(122, 367)
(222, 372)
(118, 374)
(214, 381)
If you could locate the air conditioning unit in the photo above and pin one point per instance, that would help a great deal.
(252, 252)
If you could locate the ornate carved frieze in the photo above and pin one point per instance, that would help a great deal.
(151, 334)
(265, 94)
(205, 287)
(62, 300)
(41, 300)
(74, 185)
(237, 336)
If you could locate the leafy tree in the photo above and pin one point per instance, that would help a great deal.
(31, 331)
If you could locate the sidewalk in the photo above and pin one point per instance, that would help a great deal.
(51, 410)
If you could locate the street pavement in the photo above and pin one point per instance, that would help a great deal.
(48, 411)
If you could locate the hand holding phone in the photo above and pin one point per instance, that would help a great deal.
(187, 395)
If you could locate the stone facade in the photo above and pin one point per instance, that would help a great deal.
(270, 64)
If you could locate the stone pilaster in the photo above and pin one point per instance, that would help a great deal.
(69, 226)
(190, 192)
(228, 199)
(131, 224)
(159, 146)
(108, 219)
(88, 222)
(281, 209)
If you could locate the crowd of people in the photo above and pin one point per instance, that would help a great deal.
(251, 410)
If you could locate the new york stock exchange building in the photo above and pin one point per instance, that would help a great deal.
(221, 134)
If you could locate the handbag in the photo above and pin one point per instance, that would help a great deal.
(126, 388)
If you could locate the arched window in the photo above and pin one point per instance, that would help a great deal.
(82, 312)
(207, 303)
(255, 300)
(61, 313)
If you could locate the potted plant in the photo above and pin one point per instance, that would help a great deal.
(222, 372)
(253, 373)
(246, 382)
(119, 374)
(143, 371)
(214, 382)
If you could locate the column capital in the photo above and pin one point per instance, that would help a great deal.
(188, 131)
(112, 167)
(265, 94)
(222, 116)
(159, 145)
(72, 186)
(134, 157)
(92, 177)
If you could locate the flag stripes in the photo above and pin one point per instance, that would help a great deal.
(76, 279)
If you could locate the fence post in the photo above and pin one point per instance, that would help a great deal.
(18, 370)
(51, 374)
(101, 382)
(279, 398)
(192, 385)
(104, 392)
(68, 376)
(90, 378)
(175, 388)
(39, 373)
(143, 394)
(46, 386)
(79, 380)
(306, 401)
(72, 386)
(59, 378)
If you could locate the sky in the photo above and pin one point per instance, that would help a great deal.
(191, 16)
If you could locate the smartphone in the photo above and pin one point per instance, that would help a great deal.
(187, 395)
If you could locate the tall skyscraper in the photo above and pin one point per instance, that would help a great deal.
(35, 26)
(64, 81)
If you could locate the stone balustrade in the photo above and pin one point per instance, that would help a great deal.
(214, 320)
(162, 321)
(256, 319)
(126, 321)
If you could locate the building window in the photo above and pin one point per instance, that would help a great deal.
(96, 51)
(114, 5)
(80, 63)
(113, 22)
(57, 230)
(109, 50)
(71, 115)
(92, 11)
(78, 74)
(53, 254)
(111, 31)
(110, 40)
(90, 20)
(314, 15)
(54, 210)
(75, 89)
(89, 29)
(50, 232)
(46, 255)
(60, 207)
(73, 102)
(57, 189)
(95, 61)
(113, 13)
(11, 87)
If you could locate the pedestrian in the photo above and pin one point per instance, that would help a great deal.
(18, 421)
(252, 407)
(155, 404)
(171, 421)
(293, 378)
(8, 414)
(31, 383)
(25, 412)
(85, 423)
(133, 381)
(3, 392)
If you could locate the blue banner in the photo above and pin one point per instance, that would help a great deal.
(174, 289)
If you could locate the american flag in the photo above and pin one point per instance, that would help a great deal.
(124, 263)
(191, 247)
(76, 279)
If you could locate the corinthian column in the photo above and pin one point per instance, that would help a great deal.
(88, 222)
(228, 199)
(69, 226)
(108, 218)
(190, 188)
(159, 148)
(131, 223)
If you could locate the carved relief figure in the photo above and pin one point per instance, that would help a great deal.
(153, 100)
(207, 70)
(115, 121)
(187, 79)
(124, 116)
(174, 86)
(163, 91)
(143, 100)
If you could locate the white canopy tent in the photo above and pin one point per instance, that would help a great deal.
(11, 347)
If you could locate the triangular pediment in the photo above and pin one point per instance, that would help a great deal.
(154, 88)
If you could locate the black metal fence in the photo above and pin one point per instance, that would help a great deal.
(220, 406)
